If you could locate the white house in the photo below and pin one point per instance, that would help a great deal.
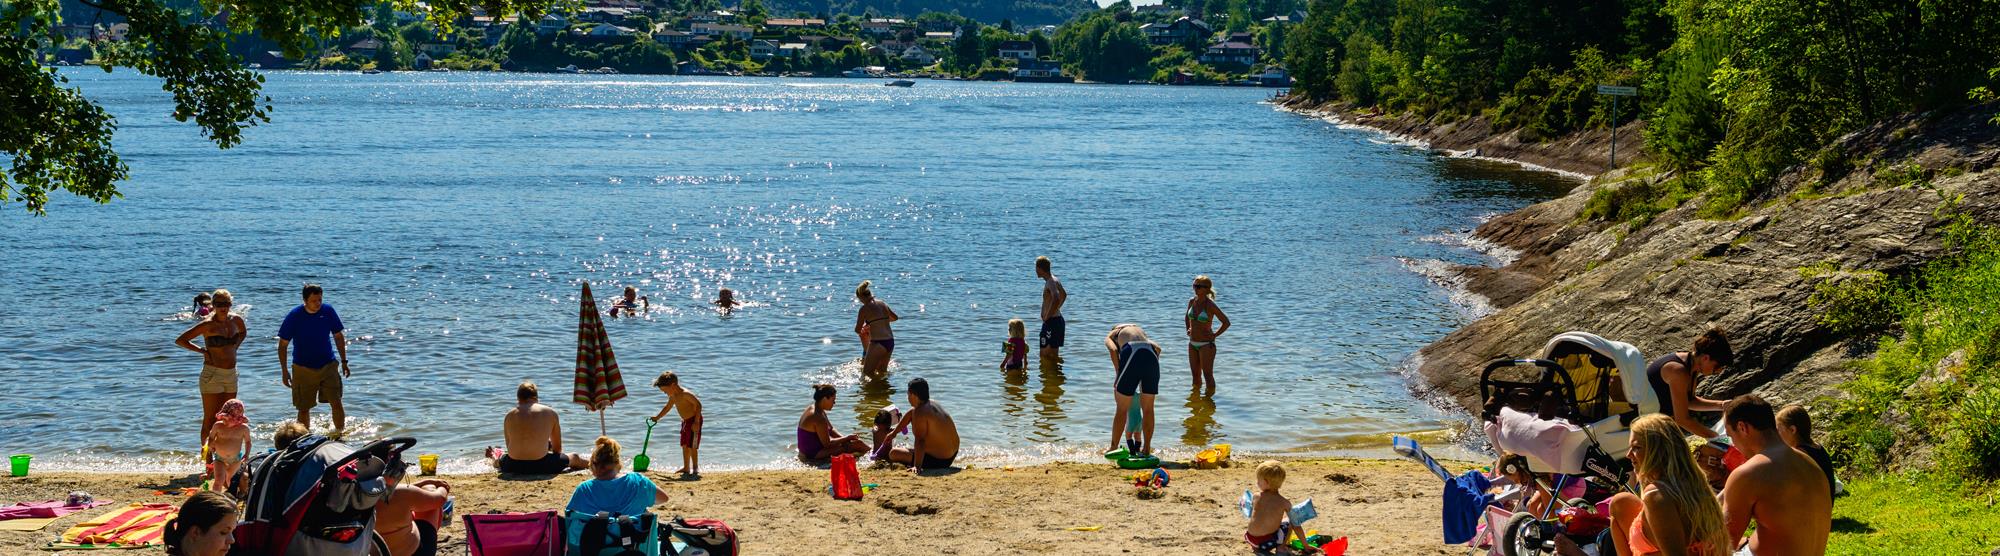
(606, 30)
(794, 49)
(763, 50)
(1018, 50)
(550, 24)
(917, 54)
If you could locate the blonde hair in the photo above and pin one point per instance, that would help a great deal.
(220, 295)
(866, 290)
(1665, 460)
(604, 457)
(1016, 328)
(1799, 420)
(1271, 473)
(1209, 285)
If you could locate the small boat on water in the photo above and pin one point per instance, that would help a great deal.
(856, 72)
(371, 71)
(900, 83)
(567, 69)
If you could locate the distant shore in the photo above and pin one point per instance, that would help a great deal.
(1384, 507)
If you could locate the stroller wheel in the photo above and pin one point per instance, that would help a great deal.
(1523, 536)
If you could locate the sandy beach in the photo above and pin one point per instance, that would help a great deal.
(1382, 506)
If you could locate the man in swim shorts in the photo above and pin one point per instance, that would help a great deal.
(1053, 297)
(934, 443)
(311, 375)
(534, 438)
(1137, 360)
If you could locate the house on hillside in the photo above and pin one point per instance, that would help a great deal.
(763, 50)
(1018, 50)
(939, 36)
(667, 35)
(606, 15)
(794, 24)
(1179, 31)
(551, 24)
(719, 30)
(712, 16)
(791, 49)
(882, 27)
(1274, 76)
(364, 48)
(606, 31)
(917, 54)
(1231, 52)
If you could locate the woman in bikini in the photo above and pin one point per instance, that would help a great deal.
(1676, 514)
(221, 333)
(818, 440)
(1201, 313)
(872, 323)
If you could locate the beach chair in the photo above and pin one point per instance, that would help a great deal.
(514, 534)
(605, 534)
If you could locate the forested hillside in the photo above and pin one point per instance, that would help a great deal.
(992, 12)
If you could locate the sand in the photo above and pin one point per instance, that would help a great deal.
(1383, 506)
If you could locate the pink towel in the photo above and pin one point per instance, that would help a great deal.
(52, 508)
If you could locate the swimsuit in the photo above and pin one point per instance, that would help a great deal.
(427, 535)
(1138, 370)
(1269, 541)
(928, 462)
(550, 464)
(1017, 354)
(1661, 390)
(1201, 316)
(888, 346)
(1643, 546)
(1052, 332)
(809, 446)
(691, 432)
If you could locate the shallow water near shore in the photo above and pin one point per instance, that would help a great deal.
(452, 217)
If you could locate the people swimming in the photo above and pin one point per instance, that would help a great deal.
(725, 299)
(684, 401)
(630, 304)
(534, 438)
(228, 443)
(871, 322)
(934, 437)
(1205, 322)
(1137, 361)
(1053, 297)
(221, 334)
(1672, 377)
(818, 440)
(1779, 488)
(1014, 350)
(201, 305)
(1675, 507)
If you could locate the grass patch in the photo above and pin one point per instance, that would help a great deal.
(1914, 514)
(1637, 201)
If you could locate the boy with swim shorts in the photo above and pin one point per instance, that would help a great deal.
(1269, 513)
(683, 401)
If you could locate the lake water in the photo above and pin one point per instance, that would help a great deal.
(452, 218)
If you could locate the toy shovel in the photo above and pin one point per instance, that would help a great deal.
(640, 462)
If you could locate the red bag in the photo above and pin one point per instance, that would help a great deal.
(846, 479)
(711, 535)
(533, 534)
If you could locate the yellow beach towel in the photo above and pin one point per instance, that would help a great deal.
(133, 526)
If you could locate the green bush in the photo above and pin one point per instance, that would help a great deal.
(1637, 201)
(1972, 445)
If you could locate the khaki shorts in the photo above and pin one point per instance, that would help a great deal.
(217, 380)
(311, 387)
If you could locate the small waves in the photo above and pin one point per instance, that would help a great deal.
(1447, 275)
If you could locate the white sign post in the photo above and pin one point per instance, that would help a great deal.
(1615, 91)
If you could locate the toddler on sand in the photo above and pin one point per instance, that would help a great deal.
(1270, 512)
(228, 443)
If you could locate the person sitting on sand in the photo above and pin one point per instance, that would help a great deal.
(1137, 360)
(1270, 513)
(534, 438)
(631, 304)
(934, 437)
(612, 490)
(204, 526)
(1675, 513)
(228, 443)
(884, 431)
(1778, 487)
(726, 299)
(288, 433)
(409, 518)
(1795, 425)
(689, 406)
(818, 440)
(1672, 377)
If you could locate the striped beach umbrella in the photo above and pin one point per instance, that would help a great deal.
(598, 383)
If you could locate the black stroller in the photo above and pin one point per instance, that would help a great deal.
(316, 498)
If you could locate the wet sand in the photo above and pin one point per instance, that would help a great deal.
(1382, 506)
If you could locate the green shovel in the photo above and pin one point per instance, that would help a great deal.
(640, 462)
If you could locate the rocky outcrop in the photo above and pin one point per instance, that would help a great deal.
(1660, 284)
(1586, 153)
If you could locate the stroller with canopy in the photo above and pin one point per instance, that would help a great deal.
(1567, 413)
(316, 498)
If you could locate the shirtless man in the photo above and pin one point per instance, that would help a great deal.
(818, 440)
(1053, 296)
(934, 438)
(534, 438)
(409, 518)
(631, 304)
(1779, 487)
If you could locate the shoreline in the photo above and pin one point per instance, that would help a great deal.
(1383, 507)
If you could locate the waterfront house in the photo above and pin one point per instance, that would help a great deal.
(551, 24)
(664, 34)
(422, 62)
(1018, 50)
(918, 55)
(1231, 52)
(827, 43)
(364, 48)
(1039, 70)
(794, 24)
(763, 50)
(1179, 31)
(1273, 76)
(719, 30)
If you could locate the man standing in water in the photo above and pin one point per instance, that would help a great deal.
(317, 329)
(1053, 296)
(1780, 488)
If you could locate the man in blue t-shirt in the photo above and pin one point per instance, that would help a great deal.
(317, 330)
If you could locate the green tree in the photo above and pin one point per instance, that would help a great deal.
(968, 52)
(60, 140)
(1041, 42)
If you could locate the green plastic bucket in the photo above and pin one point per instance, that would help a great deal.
(21, 464)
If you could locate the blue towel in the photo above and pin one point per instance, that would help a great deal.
(1465, 501)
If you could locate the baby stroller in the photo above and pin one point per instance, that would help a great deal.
(1567, 413)
(316, 498)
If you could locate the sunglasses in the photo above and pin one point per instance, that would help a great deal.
(219, 304)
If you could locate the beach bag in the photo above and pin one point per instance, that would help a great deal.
(514, 534)
(710, 535)
(604, 534)
(846, 478)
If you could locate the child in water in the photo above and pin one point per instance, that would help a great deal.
(228, 443)
(201, 305)
(631, 304)
(1270, 513)
(726, 299)
(1014, 351)
(684, 401)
